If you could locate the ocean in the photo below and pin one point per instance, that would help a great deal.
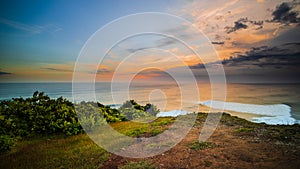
(269, 103)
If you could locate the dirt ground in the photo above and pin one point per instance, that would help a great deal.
(263, 146)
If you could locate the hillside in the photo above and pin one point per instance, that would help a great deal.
(236, 143)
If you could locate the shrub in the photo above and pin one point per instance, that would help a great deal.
(42, 115)
(6, 143)
(132, 110)
(38, 115)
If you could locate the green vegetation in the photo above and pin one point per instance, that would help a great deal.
(41, 115)
(38, 115)
(6, 143)
(43, 132)
(138, 129)
(138, 165)
(132, 110)
(34, 144)
(55, 151)
(240, 130)
(196, 145)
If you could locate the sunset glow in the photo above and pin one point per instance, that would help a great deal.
(42, 45)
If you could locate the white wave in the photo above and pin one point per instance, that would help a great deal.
(270, 114)
(172, 113)
(275, 120)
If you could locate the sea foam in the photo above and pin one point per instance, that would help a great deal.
(172, 113)
(269, 114)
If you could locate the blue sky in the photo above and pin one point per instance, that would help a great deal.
(54, 31)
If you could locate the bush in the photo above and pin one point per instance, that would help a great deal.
(38, 115)
(6, 143)
(42, 115)
(132, 110)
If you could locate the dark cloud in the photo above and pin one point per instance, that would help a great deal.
(217, 43)
(103, 70)
(5, 73)
(286, 55)
(260, 64)
(56, 69)
(284, 13)
(244, 23)
(197, 66)
(237, 25)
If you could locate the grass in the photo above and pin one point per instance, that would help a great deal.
(196, 145)
(59, 151)
(242, 130)
(138, 165)
(138, 129)
(55, 152)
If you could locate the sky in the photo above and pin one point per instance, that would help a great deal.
(254, 41)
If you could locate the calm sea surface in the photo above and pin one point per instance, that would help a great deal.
(166, 96)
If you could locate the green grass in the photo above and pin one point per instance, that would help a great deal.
(241, 130)
(55, 152)
(79, 151)
(196, 145)
(138, 165)
(138, 129)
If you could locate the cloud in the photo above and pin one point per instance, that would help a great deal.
(165, 42)
(103, 70)
(197, 66)
(133, 50)
(244, 23)
(181, 32)
(217, 43)
(152, 73)
(5, 73)
(32, 29)
(260, 37)
(237, 25)
(284, 14)
(260, 64)
(286, 55)
(57, 69)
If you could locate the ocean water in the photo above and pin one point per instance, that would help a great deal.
(269, 103)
